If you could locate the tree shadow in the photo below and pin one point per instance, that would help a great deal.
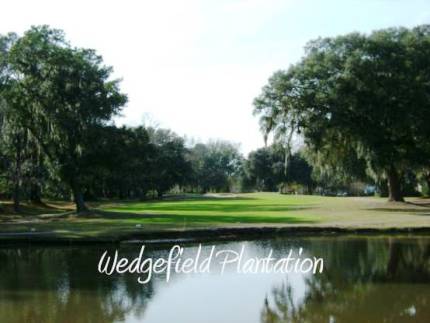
(414, 211)
(224, 208)
(174, 198)
(199, 197)
(198, 219)
(421, 203)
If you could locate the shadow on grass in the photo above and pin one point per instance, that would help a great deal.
(111, 224)
(415, 211)
(29, 209)
(170, 199)
(228, 208)
(198, 197)
(422, 203)
(192, 218)
(199, 212)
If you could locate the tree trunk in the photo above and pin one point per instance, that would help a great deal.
(159, 194)
(288, 151)
(16, 197)
(79, 200)
(428, 184)
(142, 194)
(35, 193)
(36, 174)
(17, 177)
(310, 189)
(394, 190)
(394, 259)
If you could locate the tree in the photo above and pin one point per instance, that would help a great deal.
(216, 166)
(264, 167)
(336, 167)
(14, 140)
(62, 92)
(119, 163)
(169, 166)
(22, 162)
(300, 172)
(277, 116)
(367, 93)
(14, 143)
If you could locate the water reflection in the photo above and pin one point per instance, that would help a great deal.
(371, 279)
(61, 285)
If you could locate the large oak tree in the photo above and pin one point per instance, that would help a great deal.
(61, 92)
(370, 93)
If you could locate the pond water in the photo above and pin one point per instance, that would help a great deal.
(365, 279)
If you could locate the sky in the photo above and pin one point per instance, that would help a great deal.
(196, 66)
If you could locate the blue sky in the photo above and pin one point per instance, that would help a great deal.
(195, 66)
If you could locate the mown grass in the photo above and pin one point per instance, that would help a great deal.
(244, 208)
(113, 219)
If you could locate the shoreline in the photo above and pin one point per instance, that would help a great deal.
(207, 235)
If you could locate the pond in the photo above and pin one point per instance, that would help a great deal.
(365, 279)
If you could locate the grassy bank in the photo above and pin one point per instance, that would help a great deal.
(119, 220)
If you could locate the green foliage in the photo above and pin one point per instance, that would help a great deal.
(118, 164)
(265, 170)
(360, 102)
(217, 166)
(170, 166)
(365, 94)
(58, 93)
(300, 172)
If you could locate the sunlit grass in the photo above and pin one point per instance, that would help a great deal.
(114, 219)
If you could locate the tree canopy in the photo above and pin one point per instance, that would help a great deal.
(369, 94)
(58, 93)
(360, 102)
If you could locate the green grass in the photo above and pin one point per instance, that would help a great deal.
(113, 219)
(244, 208)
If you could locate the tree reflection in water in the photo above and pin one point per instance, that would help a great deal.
(62, 285)
(365, 280)
(373, 279)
